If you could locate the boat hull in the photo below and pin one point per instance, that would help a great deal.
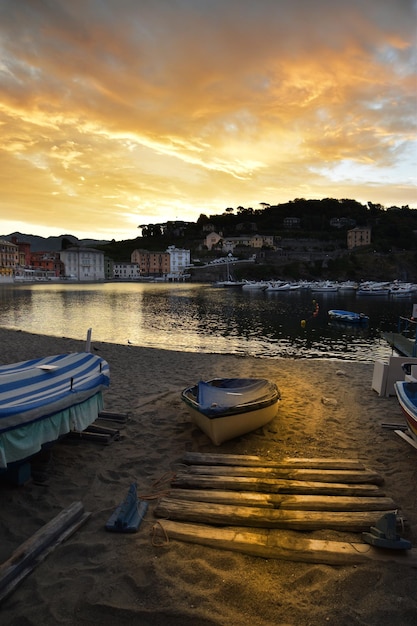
(407, 398)
(225, 419)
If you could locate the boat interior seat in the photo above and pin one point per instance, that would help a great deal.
(410, 371)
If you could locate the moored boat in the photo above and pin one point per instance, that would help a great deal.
(325, 286)
(348, 316)
(259, 285)
(43, 399)
(407, 398)
(225, 408)
(373, 289)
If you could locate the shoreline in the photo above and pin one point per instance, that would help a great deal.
(328, 410)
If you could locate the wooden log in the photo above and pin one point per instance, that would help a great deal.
(221, 514)
(320, 475)
(200, 458)
(272, 485)
(279, 544)
(296, 502)
(406, 438)
(37, 548)
(112, 416)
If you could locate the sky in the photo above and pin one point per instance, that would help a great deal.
(118, 113)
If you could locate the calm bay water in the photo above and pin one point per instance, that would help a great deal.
(201, 318)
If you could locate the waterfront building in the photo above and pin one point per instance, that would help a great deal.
(155, 264)
(180, 260)
(9, 260)
(83, 264)
(126, 271)
(48, 262)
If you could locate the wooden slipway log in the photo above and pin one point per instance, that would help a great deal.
(296, 502)
(211, 513)
(278, 544)
(36, 549)
(320, 475)
(200, 458)
(271, 485)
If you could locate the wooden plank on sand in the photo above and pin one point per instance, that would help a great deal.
(211, 513)
(296, 502)
(320, 475)
(278, 544)
(271, 485)
(200, 458)
(406, 438)
(36, 549)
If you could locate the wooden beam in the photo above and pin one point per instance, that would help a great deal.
(36, 549)
(406, 438)
(296, 502)
(271, 485)
(224, 514)
(200, 458)
(279, 544)
(320, 475)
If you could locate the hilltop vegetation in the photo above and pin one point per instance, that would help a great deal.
(322, 223)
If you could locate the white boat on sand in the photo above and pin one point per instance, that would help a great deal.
(225, 408)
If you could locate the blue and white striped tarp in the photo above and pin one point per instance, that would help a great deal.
(43, 399)
(34, 389)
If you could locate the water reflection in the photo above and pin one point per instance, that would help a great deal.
(202, 318)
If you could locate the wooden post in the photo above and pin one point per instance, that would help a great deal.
(88, 342)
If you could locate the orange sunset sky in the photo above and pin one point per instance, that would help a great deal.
(116, 113)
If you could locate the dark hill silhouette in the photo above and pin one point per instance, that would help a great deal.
(51, 244)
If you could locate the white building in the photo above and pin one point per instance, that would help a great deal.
(180, 260)
(126, 271)
(83, 264)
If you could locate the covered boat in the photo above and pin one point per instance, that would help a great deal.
(407, 397)
(43, 399)
(348, 316)
(225, 408)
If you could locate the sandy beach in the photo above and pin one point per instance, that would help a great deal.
(327, 410)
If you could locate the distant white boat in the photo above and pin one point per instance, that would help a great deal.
(348, 285)
(373, 289)
(325, 286)
(228, 283)
(401, 290)
(282, 286)
(253, 284)
(278, 286)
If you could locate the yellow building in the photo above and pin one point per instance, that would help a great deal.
(359, 236)
(9, 257)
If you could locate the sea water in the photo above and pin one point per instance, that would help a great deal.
(201, 318)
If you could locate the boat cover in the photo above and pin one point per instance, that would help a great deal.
(347, 316)
(42, 399)
(229, 392)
